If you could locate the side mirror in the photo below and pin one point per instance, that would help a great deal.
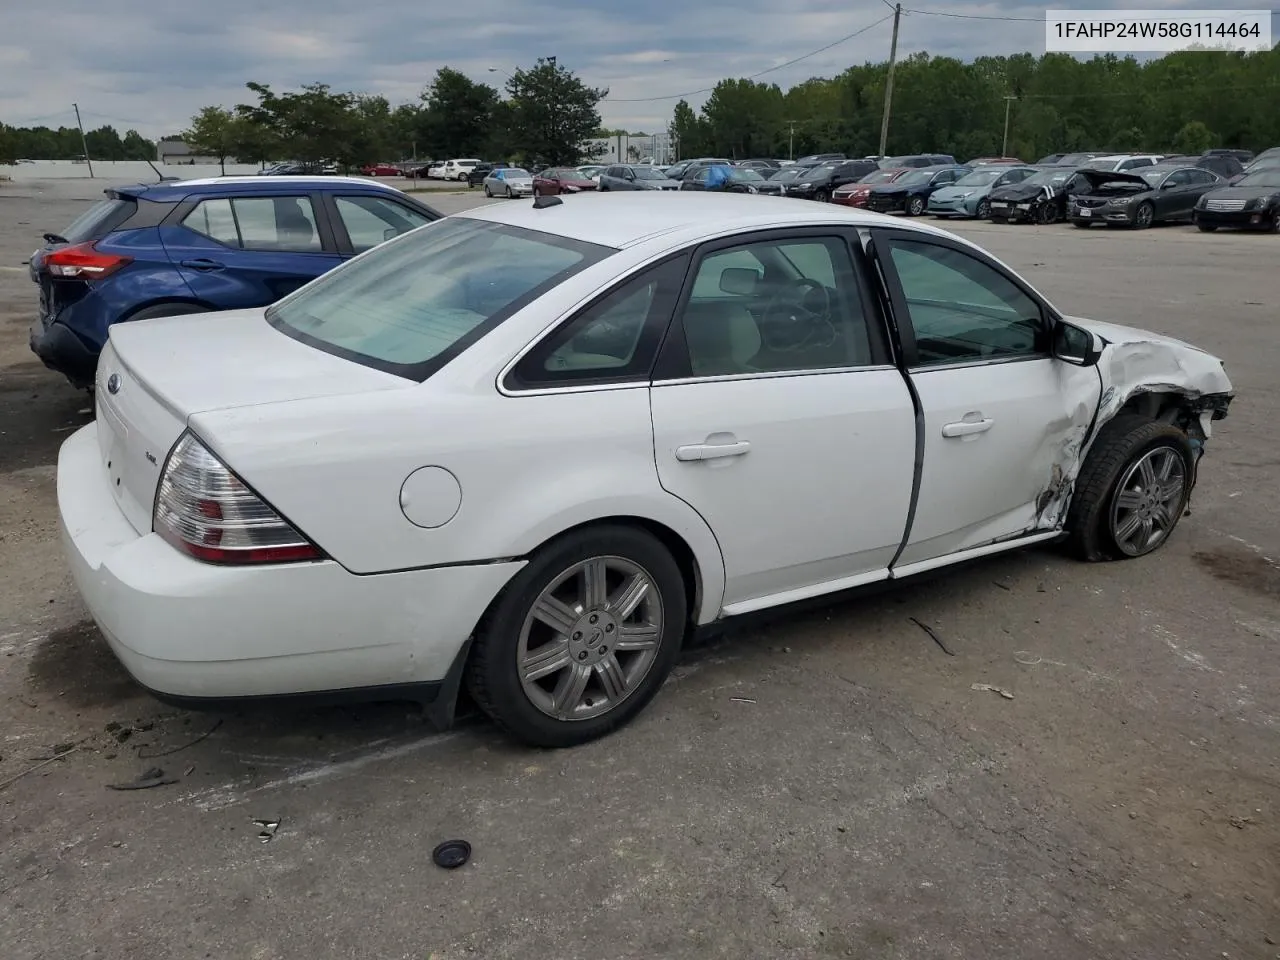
(1075, 345)
(1167, 186)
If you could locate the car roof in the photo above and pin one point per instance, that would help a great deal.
(218, 186)
(624, 219)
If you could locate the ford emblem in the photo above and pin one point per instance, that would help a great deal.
(113, 384)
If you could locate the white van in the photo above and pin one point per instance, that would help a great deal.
(457, 169)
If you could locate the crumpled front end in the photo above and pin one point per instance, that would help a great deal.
(1142, 372)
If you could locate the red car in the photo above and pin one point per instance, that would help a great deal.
(855, 194)
(556, 180)
(381, 170)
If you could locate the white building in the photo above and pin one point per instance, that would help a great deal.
(628, 149)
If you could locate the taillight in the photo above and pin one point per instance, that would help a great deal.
(205, 510)
(84, 262)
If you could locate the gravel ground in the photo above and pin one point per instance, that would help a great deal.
(858, 799)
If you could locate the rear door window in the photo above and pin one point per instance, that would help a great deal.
(258, 223)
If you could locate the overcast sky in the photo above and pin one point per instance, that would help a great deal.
(131, 66)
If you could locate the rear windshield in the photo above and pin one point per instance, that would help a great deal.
(99, 220)
(412, 304)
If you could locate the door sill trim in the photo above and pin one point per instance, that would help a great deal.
(804, 593)
(946, 560)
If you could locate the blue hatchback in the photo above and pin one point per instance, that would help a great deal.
(193, 246)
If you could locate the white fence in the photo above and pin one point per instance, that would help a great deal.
(117, 171)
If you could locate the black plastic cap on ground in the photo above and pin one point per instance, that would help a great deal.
(451, 854)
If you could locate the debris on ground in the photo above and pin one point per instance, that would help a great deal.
(932, 633)
(43, 763)
(152, 777)
(142, 751)
(741, 700)
(1239, 822)
(451, 854)
(266, 829)
(1002, 585)
(992, 689)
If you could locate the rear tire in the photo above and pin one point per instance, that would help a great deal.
(539, 710)
(1096, 521)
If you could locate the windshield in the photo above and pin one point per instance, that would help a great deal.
(1263, 178)
(648, 173)
(412, 304)
(823, 170)
(789, 173)
(737, 173)
(516, 173)
(980, 178)
(916, 176)
(1154, 176)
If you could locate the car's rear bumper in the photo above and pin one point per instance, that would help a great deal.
(60, 349)
(188, 630)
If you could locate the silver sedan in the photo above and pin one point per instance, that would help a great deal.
(509, 182)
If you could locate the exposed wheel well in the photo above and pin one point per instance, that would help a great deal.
(1166, 407)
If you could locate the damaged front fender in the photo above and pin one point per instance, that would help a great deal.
(1145, 373)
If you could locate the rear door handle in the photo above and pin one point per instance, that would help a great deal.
(711, 451)
(966, 428)
(202, 264)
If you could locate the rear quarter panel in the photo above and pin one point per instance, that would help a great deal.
(151, 278)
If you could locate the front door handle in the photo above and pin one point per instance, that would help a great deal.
(202, 263)
(966, 428)
(711, 451)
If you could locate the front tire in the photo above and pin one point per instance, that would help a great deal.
(510, 195)
(581, 639)
(1206, 227)
(487, 192)
(914, 207)
(1144, 216)
(822, 196)
(1131, 491)
(984, 209)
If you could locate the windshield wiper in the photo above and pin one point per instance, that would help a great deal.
(55, 238)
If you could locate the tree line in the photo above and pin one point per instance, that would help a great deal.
(63, 143)
(547, 116)
(1186, 102)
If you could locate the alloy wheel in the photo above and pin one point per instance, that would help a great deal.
(1148, 500)
(590, 638)
(1143, 216)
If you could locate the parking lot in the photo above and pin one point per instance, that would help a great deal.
(826, 783)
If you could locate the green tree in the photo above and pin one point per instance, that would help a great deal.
(105, 144)
(138, 147)
(552, 113)
(687, 131)
(459, 114)
(1193, 138)
(211, 134)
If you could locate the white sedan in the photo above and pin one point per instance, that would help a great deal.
(531, 447)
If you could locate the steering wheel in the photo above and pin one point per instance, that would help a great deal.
(798, 316)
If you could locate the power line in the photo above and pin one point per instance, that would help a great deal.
(780, 66)
(973, 16)
(30, 120)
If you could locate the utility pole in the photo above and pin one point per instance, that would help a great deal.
(83, 141)
(888, 83)
(1004, 146)
(791, 141)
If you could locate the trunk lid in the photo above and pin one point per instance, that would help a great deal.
(154, 375)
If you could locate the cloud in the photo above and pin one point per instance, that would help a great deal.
(128, 65)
